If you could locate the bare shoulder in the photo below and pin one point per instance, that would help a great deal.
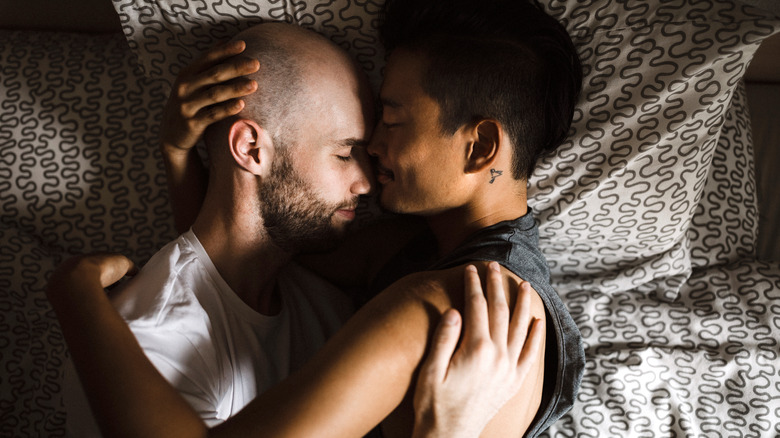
(443, 289)
(425, 297)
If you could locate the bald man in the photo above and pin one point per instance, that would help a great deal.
(222, 312)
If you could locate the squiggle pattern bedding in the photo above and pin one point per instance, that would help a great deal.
(704, 365)
(79, 172)
(678, 323)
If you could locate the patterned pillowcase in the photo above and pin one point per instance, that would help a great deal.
(724, 227)
(166, 35)
(615, 202)
(80, 171)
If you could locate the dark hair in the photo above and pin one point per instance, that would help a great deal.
(501, 59)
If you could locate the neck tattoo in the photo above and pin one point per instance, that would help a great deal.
(494, 174)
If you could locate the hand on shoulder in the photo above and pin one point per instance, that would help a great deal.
(460, 391)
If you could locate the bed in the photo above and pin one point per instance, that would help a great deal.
(658, 216)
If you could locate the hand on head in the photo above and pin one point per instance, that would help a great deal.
(206, 91)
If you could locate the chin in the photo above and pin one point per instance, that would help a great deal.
(388, 200)
(390, 205)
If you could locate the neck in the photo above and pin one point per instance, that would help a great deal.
(240, 248)
(453, 226)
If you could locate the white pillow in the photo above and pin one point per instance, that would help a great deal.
(616, 200)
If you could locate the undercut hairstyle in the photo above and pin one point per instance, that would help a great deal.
(493, 59)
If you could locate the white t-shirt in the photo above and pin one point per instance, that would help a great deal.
(217, 351)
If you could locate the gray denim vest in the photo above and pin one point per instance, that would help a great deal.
(515, 245)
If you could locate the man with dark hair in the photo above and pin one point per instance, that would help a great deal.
(462, 164)
(495, 82)
(505, 60)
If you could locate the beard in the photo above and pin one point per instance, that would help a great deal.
(294, 217)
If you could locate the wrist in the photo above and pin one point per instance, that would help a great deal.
(172, 151)
(426, 426)
(70, 277)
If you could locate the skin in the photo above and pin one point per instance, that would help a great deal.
(230, 225)
(446, 179)
(142, 403)
(355, 381)
(447, 377)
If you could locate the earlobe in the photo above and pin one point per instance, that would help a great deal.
(250, 145)
(483, 149)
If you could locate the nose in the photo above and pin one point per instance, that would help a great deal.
(376, 143)
(363, 181)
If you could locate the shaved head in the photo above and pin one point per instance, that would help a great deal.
(294, 64)
(294, 158)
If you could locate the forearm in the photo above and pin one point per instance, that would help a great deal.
(127, 395)
(349, 387)
(187, 181)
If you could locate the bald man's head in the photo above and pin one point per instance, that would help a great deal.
(294, 62)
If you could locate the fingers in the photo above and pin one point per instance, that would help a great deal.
(521, 319)
(491, 320)
(475, 309)
(215, 78)
(225, 71)
(113, 267)
(498, 309)
(443, 344)
(533, 346)
(214, 56)
(222, 96)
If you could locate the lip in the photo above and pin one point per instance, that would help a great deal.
(348, 214)
(383, 174)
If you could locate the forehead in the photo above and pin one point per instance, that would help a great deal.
(333, 113)
(403, 76)
(402, 95)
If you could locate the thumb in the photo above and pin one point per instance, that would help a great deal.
(113, 267)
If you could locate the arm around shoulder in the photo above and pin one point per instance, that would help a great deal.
(368, 370)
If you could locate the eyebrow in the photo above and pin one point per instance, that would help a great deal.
(353, 143)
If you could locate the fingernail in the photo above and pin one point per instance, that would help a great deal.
(450, 318)
(494, 266)
(471, 268)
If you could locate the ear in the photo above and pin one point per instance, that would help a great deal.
(483, 147)
(251, 147)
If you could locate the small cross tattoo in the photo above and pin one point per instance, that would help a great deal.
(495, 174)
